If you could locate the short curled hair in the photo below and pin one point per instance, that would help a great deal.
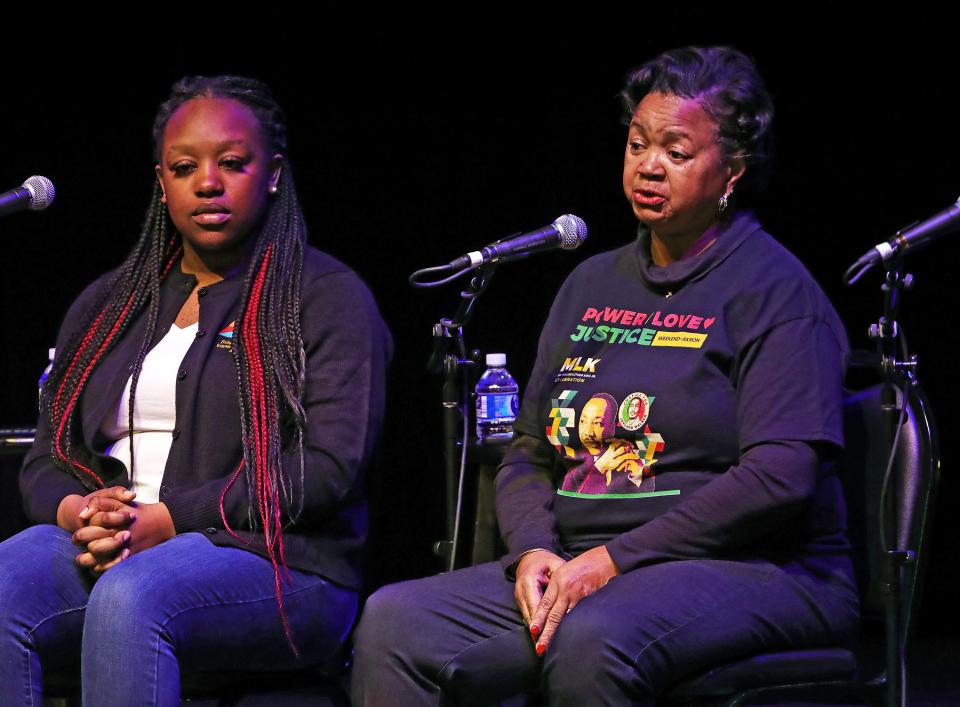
(726, 83)
(254, 94)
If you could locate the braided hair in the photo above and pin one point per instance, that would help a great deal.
(268, 344)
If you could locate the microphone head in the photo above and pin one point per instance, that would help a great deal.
(41, 192)
(573, 231)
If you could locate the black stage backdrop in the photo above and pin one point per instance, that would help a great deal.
(410, 150)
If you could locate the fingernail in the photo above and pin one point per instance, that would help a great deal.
(534, 630)
(125, 554)
(126, 535)
(541, 649)
(85, 512)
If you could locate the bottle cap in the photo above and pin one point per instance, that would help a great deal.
(496, 360)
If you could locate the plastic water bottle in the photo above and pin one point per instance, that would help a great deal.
(497, 401)
(46, 374)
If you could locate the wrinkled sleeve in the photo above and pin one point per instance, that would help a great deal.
(525, 492)
(789, 402)
(347, 348)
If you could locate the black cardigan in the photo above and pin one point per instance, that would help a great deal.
(348, 348)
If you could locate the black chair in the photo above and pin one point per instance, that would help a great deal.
(837, 674)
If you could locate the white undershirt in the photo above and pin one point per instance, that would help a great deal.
(154, 413)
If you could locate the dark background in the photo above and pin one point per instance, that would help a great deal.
(410, 149)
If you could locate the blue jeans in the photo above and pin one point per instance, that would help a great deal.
(185, 602)
(622, 645)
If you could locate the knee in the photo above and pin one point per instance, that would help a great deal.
(39, 535)
(591, 656)
(391, 614)
(36, 561)
(121, 601)
(584, 643)
(387, 624)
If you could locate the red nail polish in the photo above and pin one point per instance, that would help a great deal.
(541, 649)
(534, 630)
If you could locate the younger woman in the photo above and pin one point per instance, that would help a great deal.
(195, 478)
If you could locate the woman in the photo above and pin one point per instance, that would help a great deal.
(724, 537)
(213, 403)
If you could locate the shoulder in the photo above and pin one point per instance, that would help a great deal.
(770, 260)
(769, 268)
(325, 276)
(773, 287)
(606, 268)
(609, 271)
(609, 261)
(93, 291)
(316, 263)
(335, 299)
(81, 310)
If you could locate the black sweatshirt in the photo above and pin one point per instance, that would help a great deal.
(684, 411)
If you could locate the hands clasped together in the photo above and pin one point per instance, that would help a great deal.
(549, 587)
(109, 526)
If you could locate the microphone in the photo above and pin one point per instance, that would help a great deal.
(35, 194)
(910, 238)
(567, 232)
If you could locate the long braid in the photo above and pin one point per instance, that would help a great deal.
(270, 362)
(134, 285)
(152, 313)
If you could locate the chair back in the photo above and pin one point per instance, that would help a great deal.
(910, 497)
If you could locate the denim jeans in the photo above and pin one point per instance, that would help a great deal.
(185, 603)
(622, 645)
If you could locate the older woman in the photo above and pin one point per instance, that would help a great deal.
(717, 529)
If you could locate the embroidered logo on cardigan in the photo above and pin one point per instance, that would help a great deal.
(225, 337)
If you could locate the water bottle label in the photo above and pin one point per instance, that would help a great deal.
(494, 406)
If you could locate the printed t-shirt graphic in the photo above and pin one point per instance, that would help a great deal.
(617, 449)
(614, 325)
(606, 463)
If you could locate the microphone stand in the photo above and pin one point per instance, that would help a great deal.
(898, 371)
(449, 358)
